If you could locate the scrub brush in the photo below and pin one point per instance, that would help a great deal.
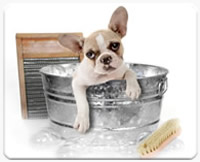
(160, 138)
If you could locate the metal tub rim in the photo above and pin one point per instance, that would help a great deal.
(164, 70)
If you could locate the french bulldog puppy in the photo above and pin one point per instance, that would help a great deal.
(103, 61)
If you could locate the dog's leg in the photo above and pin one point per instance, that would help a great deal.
(82, 118)
(132, 87)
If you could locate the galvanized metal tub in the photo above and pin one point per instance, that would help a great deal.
(110, 108)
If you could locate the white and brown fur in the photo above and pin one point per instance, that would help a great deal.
(103, 61)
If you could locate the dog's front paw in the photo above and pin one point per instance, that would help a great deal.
(82, 123)
(133, 90)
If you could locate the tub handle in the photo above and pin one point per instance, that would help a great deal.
(162, 86)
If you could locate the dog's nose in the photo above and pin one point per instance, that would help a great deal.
(107, 59)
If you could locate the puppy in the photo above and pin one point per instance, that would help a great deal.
(103, 61)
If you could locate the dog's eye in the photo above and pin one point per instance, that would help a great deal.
(90, 54)
(114, 46)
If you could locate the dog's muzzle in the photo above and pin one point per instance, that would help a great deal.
(106, 59)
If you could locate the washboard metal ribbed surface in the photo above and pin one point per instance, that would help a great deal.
(36, 104)
(35, 51)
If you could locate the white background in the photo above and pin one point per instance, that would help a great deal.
(158, 34)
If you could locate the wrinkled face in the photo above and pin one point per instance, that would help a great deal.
(104, 51)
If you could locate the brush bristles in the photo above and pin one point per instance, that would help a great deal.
(167, 132)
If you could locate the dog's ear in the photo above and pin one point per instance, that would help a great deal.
(118, 21)
(73, 42)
